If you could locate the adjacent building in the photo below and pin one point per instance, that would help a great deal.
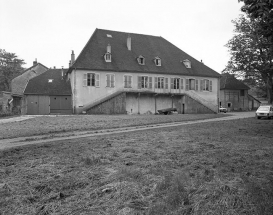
(18, 85)
(234, 94)
(48, 93)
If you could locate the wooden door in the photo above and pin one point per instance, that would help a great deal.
(37, 105)
(60, 104)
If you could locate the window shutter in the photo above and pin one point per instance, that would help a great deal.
(182, 83)
(166, 83)
(129, 81)
(107, 80)
(139, 82)
(156, 82)
(210, 86)
(125, 80)
(172, 83)
(97, 76)
(187, 84)
(84, 80)
(196, 85)
(150, 82)
(201, 85)
(112, 80)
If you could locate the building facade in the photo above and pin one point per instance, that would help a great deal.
(118, 73)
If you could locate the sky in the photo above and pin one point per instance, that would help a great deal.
(50, 29)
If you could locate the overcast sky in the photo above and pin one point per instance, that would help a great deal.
(49, 29)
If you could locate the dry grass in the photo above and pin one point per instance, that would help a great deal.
(59, 124)
(214, 168)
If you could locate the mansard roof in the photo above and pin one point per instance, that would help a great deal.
(125, 60)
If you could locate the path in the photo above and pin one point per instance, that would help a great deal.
(21, 141)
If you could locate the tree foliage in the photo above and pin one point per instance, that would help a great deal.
(10, 67)
(251, 57)
(262, 12)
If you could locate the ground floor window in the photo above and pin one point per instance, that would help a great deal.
(91, 79)
(110, 80)
(144, 82)
(127, 81)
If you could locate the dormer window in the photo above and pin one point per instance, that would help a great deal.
(187, 63)
(157, 61)
(107, 57)
(50, 80)
(141, 60)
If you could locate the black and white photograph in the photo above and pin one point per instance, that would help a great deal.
(124, 107)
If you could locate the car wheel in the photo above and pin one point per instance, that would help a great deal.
(258, 117)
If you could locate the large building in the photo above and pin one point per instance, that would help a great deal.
(119, 73)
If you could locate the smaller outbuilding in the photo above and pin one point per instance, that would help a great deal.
(234, 94)
(18, 85)
(48, 93)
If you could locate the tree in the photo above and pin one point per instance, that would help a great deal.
(251, 58)
(262, 12)
(10, 67)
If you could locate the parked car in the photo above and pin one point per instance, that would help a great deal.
(222, 109)
(265, 111)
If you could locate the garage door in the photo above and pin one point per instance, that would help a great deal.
(37, 105)
(60, 104)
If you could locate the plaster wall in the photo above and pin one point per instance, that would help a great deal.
(86, 95)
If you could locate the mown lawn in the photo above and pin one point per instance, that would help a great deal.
(59, 124)
(208, 168)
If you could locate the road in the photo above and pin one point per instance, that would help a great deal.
(22, 141)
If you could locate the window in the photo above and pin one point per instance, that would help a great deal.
(175, 83)
(206, 85)
(110, 80)
(242, 93)
(91, 79)
(127, 81)
(187, 63)
(191, 84)
(141, 60)
(157, 61)
(144, 82)
(160, 83)
(107, 57)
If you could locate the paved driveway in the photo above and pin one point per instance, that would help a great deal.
(21, 141)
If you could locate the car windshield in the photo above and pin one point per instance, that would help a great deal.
(263, 108)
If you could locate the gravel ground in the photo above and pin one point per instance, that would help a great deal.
(58, 124)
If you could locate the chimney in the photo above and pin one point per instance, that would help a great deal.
(69, 64)
(72, 57)
(35, 62)
(129, 43)
(108, 49)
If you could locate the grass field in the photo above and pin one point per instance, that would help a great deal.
(58, 124)
(209, 168)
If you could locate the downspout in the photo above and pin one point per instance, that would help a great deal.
(74, 91)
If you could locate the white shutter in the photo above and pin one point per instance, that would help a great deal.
(182, 83)
(97, 80)
(210, 86)
(166, 83)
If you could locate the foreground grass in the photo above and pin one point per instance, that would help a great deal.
(57, 124)
(212, 168)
